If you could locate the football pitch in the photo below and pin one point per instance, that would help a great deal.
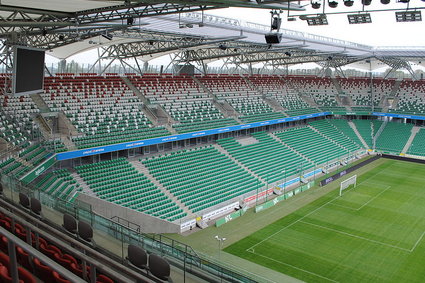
(372, 233)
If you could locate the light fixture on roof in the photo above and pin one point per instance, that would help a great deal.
(366, 2)
(274, 37)
(222, 47)
(315, 4)
(385, 2)
(403, 1)
(130, 21)
(319, 20)
(363, 18)
(333, 3)
(107, 36)
(408, 16)
(348, 3)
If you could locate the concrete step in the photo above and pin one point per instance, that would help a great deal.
(41, 104)
(358, 134)
(225, 152)
(85, 187)
(145, 171)
(406, 147)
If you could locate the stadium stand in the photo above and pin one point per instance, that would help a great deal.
(268, 158)
(418, 144)
(119, 182)
(60, 184)
(321, 90)
(360, 89)
(344, 127)
(276, 88)
(312, 144)
(411, 95)
(102, 108)
(187, 103)
(330, 131)
(241, 96)
(364, 127)
(200, 177)
(394, 137)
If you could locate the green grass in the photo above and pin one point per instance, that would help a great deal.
(373, 233)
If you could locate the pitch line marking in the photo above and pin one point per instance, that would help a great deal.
(366, 203)
(356, 236)
(298, 268)
(417, 242)
(308, 214)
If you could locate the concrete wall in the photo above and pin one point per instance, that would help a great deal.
(148, 224)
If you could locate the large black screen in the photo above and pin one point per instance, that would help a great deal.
(28, 70)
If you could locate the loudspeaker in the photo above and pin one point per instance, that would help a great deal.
(273, 37)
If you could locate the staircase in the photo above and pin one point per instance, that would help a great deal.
(337, 85)
(142, 169)
(44, 127)
(65, 125)
(38, 100)
(415, 130)
(358, 134)
(378, 133)
(222, 150)
(290, 147)
(395, 88)
(23, 161)
(69, 144)
(85, 188)
(136, 91)
(274, 104)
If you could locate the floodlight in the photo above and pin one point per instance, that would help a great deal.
(315, 4)
(130, 21)
(366, 2)
(320, 20)
(348, 3)
(408, 16)
(333, 3)
(359, 18)
(222, 47)
(385, 2)
(276, 22)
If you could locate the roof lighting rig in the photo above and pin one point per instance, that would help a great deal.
(363, 16)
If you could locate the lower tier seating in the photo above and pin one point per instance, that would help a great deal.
(119, 182)
(394, 137)
(311, 144)
(364, 127)
(343, 126)
(268, 158)
(201, 177)
(418, 144)
(60, 184)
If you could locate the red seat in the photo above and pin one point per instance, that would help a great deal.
(59, 279)
(43, 271)
(103, 279)
(23, 258)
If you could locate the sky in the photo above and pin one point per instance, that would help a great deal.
(383, 31)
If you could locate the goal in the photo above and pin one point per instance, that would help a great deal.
(346, 183)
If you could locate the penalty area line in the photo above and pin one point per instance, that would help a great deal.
(292, 266)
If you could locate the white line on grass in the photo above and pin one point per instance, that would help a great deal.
(355, 236)
(417, 242)
(308, 214)
(386, 189)
(298, 268)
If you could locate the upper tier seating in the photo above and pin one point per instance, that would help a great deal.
(276, 88)
(245, 100)
(411, 98)
(16, 118)
(201, 177)
(268, 158)
(359, 89)
(184, 100)
(321, 90)
(394, 137)
(119, 182)
(418, 144)
(103, 108)
(59, 184)
(311, 144)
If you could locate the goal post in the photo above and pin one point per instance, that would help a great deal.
(346, 183)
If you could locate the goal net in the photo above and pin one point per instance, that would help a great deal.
(347, 183)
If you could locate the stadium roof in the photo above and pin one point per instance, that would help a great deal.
(69, 27)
